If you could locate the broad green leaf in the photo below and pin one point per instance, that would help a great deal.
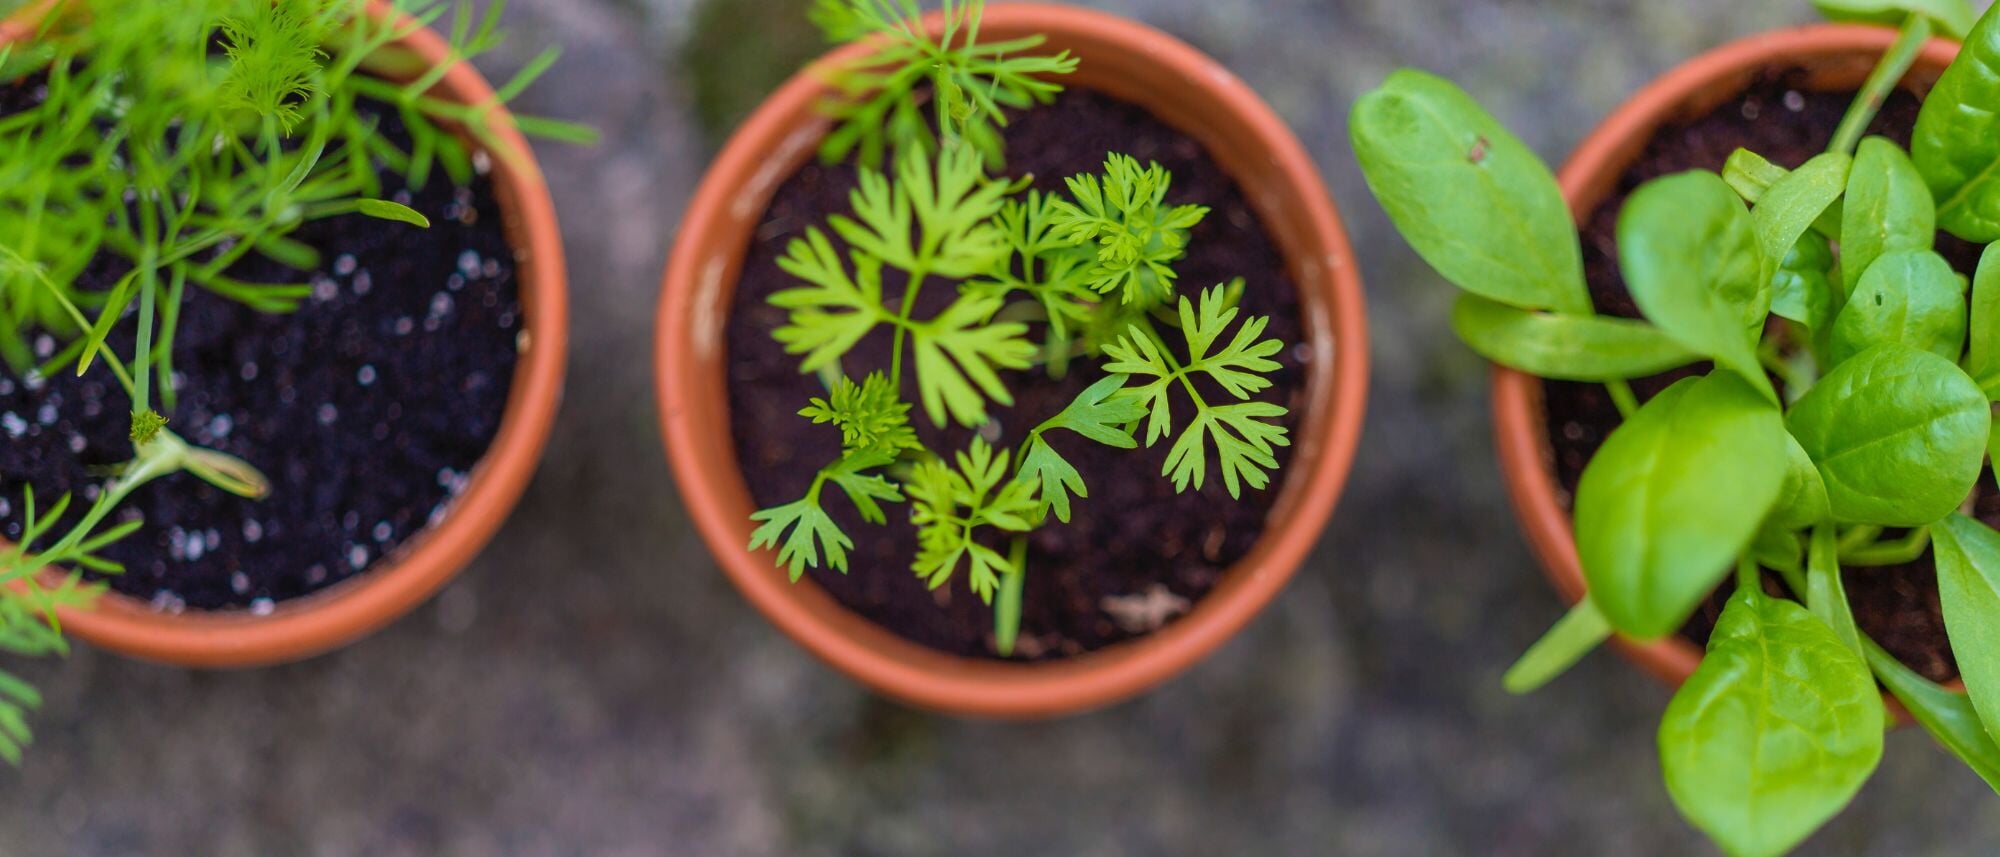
(1774, 733)
(1957, 141)
(1968, 570)
(1898, 434)
(1474, 202)
(1948, 716)
(1911, 297)
(1692, 261)
(1788, 209)
(1888, 210)
(1802, 290)
(1673, 497)
(1826, 592)
(1580, 631)
(1803, 501)
(1565, 347)
(1955, 17)
(1982, 359)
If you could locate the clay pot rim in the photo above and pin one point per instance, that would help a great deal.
(1520, 420)
(718, 501)
(345, 612)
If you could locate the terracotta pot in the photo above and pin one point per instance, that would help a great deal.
(1836, 59)
(1187, 90)
(347, 611)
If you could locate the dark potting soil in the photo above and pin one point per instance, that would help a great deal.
(367, 407)
(1137, 553)
(1788, 124)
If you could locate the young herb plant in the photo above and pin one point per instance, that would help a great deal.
(1035, 280)
(1851, 395)
(167, 142)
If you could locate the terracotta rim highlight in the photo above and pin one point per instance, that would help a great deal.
(348, 611)
(1184, 88)
(1834, 57)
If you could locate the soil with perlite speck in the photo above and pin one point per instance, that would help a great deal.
(1137, 555)
(367, 408)
(1897, 606)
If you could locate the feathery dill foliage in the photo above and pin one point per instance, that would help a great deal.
(1038, 281)
(175, 140)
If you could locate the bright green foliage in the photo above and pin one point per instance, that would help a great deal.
(1957, 142)
(1242, 433)
(949, 505)
(1954, 17)
(1898, 434)
(175, 140)
(1673, 497)
(1968, 567)
(1468, 195)
(1033, 281)
(1776, 730)
(971, 83)
(1138, 235)
(1853, 394)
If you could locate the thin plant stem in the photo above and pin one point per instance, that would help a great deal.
(1896, 63)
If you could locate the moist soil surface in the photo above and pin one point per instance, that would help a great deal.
(1136, 554)
(1788, 124)
(366, 408)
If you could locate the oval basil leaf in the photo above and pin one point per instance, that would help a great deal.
(1949, 717)
(1955, 17)
(1888, 209)
(1475, 202)
(1911, 297)
(1789, 207)
(1968, 569)
(1565, 347)
(1673, 497)
(1898, 434)
(1982, 358)
(1776, 730)
(1692, 262)
(1957, 141)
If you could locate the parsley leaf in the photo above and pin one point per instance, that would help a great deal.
(972, 83)
(1139, 237)
(1099, 414)
(949, 506)
(958, 355)
(1243, 440)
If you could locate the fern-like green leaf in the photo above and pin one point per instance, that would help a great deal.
(1241, 433)
(951, 505)
(836, 310)
(800, 531)
(935, 218)
(959, 355)
(1138, 236)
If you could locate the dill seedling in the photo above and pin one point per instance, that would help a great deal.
(1093, 270)
(167, 142)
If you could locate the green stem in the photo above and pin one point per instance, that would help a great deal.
(1858, 538)
(903, 323)
(1904, 550)
(1007, 608)
(1748, 576)
(1623, 397)
(1895, 64)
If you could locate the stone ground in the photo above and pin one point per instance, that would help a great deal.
(593, 686)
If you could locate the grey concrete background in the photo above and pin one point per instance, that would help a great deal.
(593, 686)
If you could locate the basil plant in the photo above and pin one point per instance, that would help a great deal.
(1844, 423)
